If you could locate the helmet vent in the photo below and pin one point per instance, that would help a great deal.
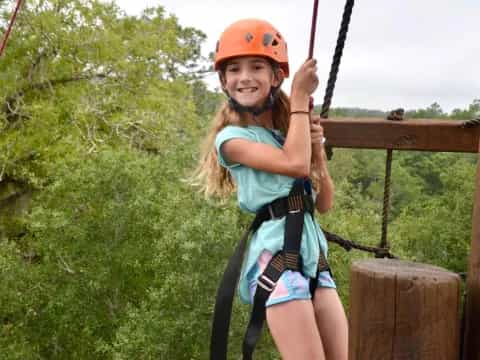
(267, 39)
(248, 37)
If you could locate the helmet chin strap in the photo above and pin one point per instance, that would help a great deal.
(255, 110)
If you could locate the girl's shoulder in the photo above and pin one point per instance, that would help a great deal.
(252, 133)
(241, 130)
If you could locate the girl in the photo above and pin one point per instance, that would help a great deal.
(261, 144)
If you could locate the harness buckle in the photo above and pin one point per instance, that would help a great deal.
(266, 283)
(295, 204)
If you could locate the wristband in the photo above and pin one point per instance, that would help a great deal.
(299, 112)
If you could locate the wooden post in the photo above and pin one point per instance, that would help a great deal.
(403, 310)
(471, 348)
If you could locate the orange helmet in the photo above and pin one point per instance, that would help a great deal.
(252, 37)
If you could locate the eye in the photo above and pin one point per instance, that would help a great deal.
(232, 69)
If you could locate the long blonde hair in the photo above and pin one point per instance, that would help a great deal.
(210, 177)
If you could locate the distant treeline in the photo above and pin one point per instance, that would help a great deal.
(431, 112)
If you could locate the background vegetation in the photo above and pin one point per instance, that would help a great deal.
(105, 252)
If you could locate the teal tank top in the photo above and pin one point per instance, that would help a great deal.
(257, 188)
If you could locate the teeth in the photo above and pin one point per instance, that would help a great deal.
(252, 89)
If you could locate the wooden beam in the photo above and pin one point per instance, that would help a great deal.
(471, 348)
(409, 134)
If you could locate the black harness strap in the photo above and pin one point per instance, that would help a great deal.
(294, 227)
(225, 293)
(322, 266)
(289, 259)
(265, 285)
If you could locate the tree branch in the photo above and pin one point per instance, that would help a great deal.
(10, 107)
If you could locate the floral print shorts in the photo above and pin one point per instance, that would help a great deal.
(292, 285)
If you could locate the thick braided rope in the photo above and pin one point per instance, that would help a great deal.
(342, 36)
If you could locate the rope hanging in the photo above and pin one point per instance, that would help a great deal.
(349, 245)
(342, 36)
(337, 57)
(10, 26)
(386, 202)
(313, 29)
(383, 250)
(398, 115)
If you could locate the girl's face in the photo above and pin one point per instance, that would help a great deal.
(249, 80)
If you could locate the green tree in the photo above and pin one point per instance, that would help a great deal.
(432, 112)
(437, 229)
(99, 120)
(81, 74)
(473, 111)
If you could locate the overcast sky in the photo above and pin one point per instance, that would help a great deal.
(399, 53)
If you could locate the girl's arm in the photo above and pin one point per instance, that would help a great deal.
(324, 199)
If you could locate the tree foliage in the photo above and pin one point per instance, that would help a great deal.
(80, 75)
(105, 251)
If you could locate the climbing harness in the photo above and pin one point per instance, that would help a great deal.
(294, 208)
(10, 26)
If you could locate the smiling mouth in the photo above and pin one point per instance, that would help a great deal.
(247, 90)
